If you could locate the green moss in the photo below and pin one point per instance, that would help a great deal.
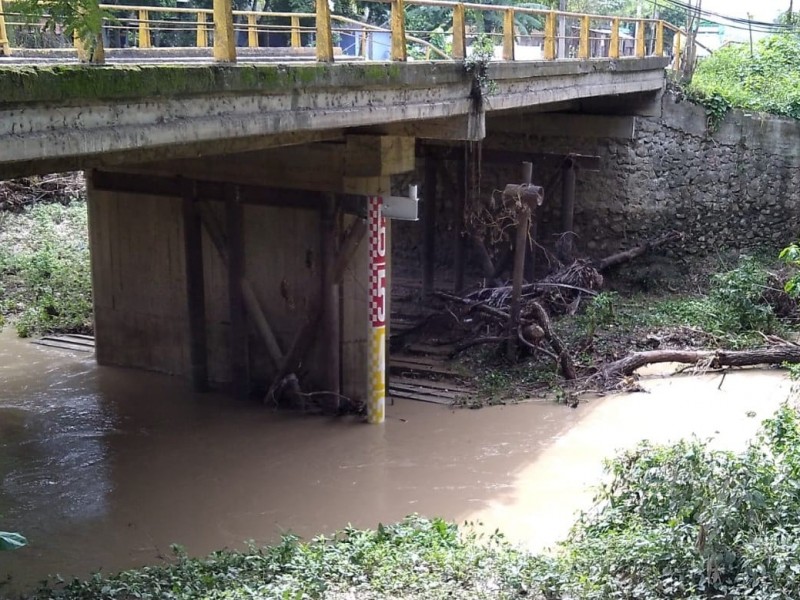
(68, 83)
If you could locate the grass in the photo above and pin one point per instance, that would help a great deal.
(681, 521)
(45, 277)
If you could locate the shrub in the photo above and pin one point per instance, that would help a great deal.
(45, 277)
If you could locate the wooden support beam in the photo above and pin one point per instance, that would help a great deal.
(224, 36)
(520, 244)
(331, 326)
(307, 332)
(568, 210)
(238, 343)
(429, 225)
(218, 239)
(195, 290)
(463, 187)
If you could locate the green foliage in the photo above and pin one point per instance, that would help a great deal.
(768, 81)
(45, 278)
(687, 521)
(600, 311)
(791, 256)
(417, 558)
(81, 17)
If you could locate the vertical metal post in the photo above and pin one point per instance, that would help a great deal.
(324, 33)
(561, 37)
(640, 29)
(224, 37)
(583, 43)
(376, 401)
(144, 29)
(331, 332)
(659, 50)
(429, 226)
(202, 32)
(550, 36)
(613, 48)
(398, 30)
(568, 207)
(240, 367)
(459, 32)
(5, 47)
(676, 62)
(520, 246)
(252, 31)
(508, 34)
(296, 32)
(195, 289)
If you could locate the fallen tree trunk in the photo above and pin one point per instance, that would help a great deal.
(713, 359)
(621, 257)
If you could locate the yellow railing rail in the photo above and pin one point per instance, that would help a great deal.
(563, 35)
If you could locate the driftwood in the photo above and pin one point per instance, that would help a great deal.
(712, 359)
(564, 358)
(627, 255)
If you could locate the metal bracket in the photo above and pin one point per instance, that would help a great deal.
(401, 208)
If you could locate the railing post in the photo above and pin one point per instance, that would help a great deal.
(550, 36)
(252, 31)
(508, 34)
(5, 47)
(324, 35)
(660, 38)
(224, 38)
(144, 29)
(459, 33)
(295, 32)
(583, 45)
(202, 33)
(613, 48)
(640, 27)
(676, 62)
(398, 30)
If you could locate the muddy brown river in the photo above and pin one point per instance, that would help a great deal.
(104, 468)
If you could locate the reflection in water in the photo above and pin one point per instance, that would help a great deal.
(104, 468)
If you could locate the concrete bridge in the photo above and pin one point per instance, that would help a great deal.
(228, 201)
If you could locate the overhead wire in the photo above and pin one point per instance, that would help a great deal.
(732, 22)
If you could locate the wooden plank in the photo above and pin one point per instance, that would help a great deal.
(439, 385)
(402, 365)
(416, 389)
(430, 349)
(420, 397)
(80, 336)
(62, 346)
(195, 290)
(239, 353)
(69, 340)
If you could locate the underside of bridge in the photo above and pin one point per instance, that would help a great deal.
(229, 234)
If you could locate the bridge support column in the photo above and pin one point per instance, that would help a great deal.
(195, 289)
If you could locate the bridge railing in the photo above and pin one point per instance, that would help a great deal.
(525, 33)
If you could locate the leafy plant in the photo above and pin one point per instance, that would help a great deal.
(44, 270)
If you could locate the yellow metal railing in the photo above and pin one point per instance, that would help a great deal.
(561, 35)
